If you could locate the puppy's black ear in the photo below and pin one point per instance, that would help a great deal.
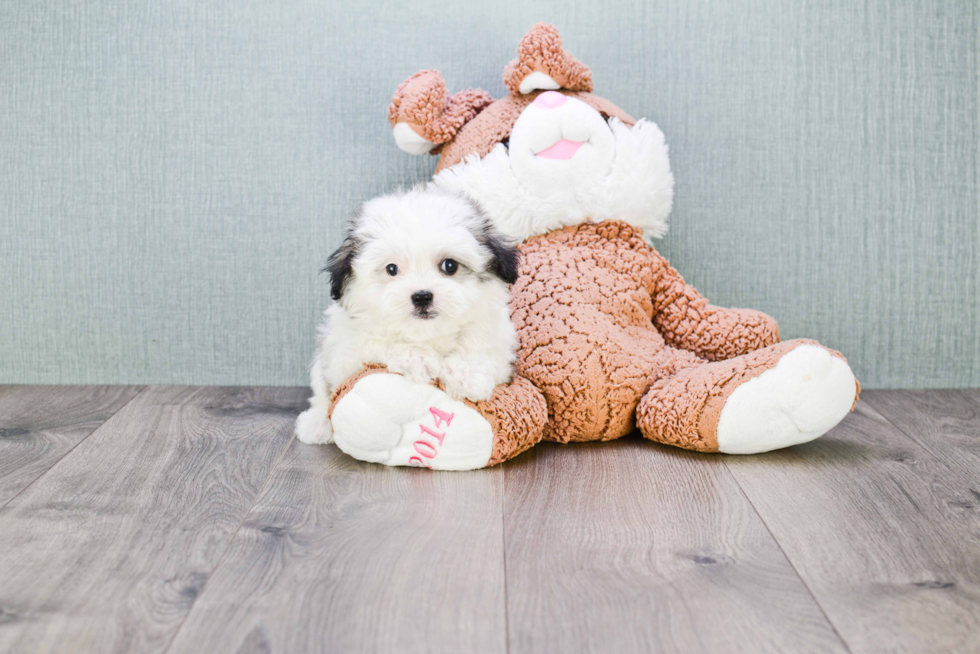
(504, 257)
(340, 265)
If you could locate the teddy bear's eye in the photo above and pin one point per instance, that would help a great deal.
(449, 266)
(392, 269)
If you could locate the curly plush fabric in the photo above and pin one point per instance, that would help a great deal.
(423, 102)
(688, 322)
(541, 50)
(494, 124)
(517, 414)
(596, 310)
(683, 408)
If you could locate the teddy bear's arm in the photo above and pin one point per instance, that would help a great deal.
(687, 321)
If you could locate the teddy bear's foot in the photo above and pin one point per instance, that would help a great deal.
(382, 417)
(782, 395)
(386, 418)
(803, 397)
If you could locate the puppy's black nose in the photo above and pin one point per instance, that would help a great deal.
(422, 299)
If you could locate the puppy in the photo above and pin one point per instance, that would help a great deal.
(419, 285)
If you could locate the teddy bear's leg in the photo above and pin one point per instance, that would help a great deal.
(383, 417)
(781, 395)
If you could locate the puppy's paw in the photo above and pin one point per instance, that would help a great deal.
(312, 426)
(467, 377)
(420, 365)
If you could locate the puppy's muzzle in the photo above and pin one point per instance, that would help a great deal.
(422, 301)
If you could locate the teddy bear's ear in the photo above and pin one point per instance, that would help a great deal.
(542, 63)
(424, 115)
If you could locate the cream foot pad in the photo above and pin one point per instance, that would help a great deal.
(805, 395)
(385, 418)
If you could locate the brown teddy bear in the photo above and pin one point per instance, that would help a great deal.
(611, 338)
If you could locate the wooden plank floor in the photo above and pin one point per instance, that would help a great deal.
(176, 519)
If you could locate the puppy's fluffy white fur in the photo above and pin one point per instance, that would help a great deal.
(463, 337)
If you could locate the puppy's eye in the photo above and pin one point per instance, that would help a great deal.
(392, 269)
(449, 266)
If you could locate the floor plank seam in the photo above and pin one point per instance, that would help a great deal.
(788, 559)
(72, 448)
(231, 542)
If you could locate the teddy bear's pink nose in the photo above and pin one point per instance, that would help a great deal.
(550, 100)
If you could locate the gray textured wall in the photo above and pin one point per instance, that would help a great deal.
(174, 173)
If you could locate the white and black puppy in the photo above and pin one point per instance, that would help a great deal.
(420, 285)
